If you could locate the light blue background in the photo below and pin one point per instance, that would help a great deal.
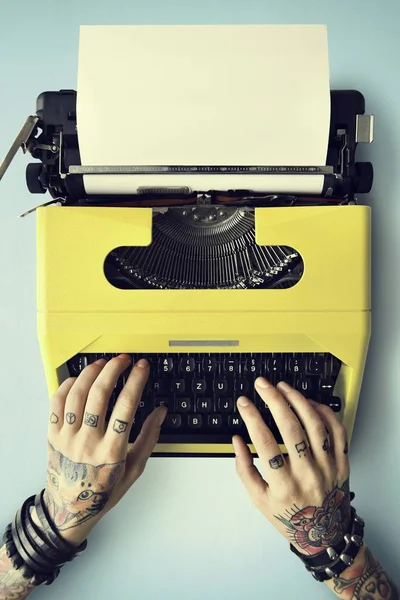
(187, 530)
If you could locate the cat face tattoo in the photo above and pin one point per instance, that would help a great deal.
(76, 492)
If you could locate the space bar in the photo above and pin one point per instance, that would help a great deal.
(204, 438)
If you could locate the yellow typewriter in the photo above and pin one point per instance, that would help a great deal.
(213, 286)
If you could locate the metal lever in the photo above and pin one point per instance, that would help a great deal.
(21, 141)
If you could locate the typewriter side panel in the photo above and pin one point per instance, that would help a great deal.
(73, 242)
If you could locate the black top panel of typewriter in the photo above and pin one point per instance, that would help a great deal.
(56, 145)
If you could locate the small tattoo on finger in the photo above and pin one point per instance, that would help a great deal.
(53, 418)
(120, 426)
(276, 462)
(325, 446)
(91, 420)
(70, 418)
(301, 448)
(346, 448)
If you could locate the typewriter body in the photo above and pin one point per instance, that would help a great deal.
(213, 287)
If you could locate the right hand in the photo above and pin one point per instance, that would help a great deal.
(306, 494)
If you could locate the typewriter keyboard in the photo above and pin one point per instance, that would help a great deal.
(200, 390)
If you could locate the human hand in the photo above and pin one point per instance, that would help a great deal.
(90, 463)
(306, 494)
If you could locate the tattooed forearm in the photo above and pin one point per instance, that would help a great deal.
(314, 528)
(13, 586)
(76, 492)
(365, 580)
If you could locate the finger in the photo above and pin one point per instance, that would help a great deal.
(248, 472)
(314, 426)
(143, 446)
(57, 404)
(338, 437)
(122, 416)
(99, 394)
(292, 433)
(263, 439)
(77, 396)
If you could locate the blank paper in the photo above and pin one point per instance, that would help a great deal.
(203, 95)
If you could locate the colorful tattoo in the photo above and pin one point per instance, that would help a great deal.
(77, 492)
(314, 528)
(13, 586)
(367, 581)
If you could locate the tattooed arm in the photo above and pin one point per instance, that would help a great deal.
(90, 463)
(306, 494)
(13, 586)
(364, 580)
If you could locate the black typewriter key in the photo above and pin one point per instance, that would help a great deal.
(203, 405)
(335, 403)
(178, 386)
(304, 385)
(199, 386)
(195, 421)
(225, 405)
(326, 385)
(165, 365)
(241, 386)
(173, 421)
(183, 405)
(253, 365)
(231, 365)
(161, 401)
(316, 365)
(296, 364)
(159, 386)
(209, 365)
(215, 421)
(220, 386)
(235, 422)
(187, 365)
(275, 364)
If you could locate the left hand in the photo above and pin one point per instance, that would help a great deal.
(90, 463)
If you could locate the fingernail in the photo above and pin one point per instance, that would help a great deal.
(284, 386)
(101, 361)
(243, 401)
(124, 356)
(142, 363)
(162, 415)
(262, 382)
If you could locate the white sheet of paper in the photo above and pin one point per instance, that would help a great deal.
(203, 95)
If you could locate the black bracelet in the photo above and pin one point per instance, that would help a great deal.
(51, 532)
(37, 539)
(333, 561)
(37, 553)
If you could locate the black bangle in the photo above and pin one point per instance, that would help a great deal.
(51, 532)
(37, 539)
(37, 553)
(333, 561)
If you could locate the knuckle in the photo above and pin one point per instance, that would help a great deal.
(125, 400)
(318, 429)
(293, 429)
